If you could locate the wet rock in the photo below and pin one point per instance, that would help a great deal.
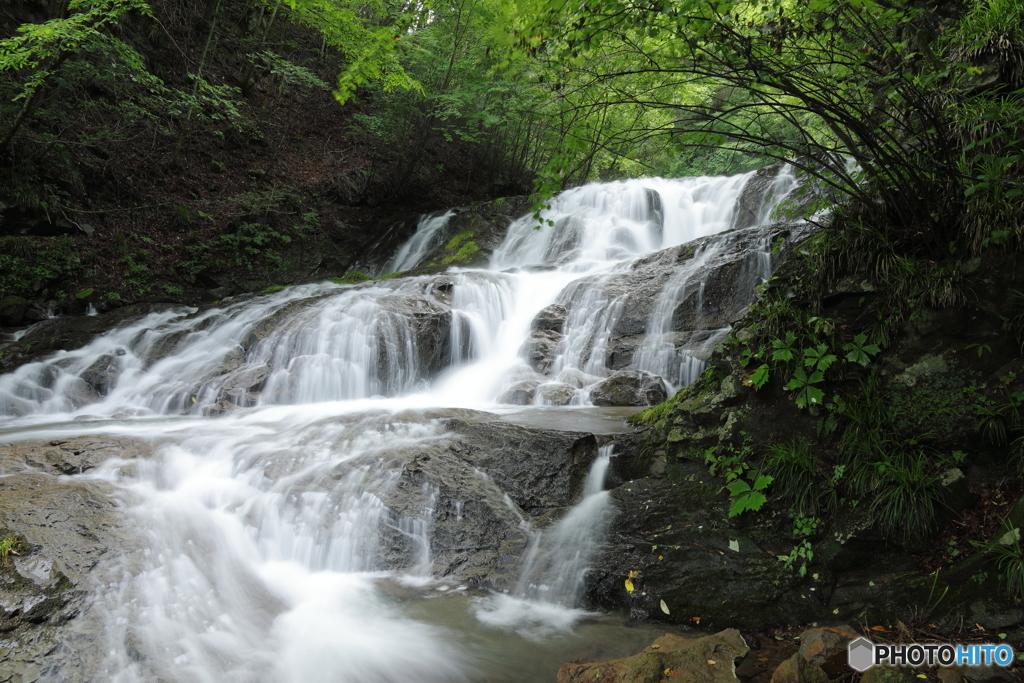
(556, 394)
(68, 333)
(72, 455)
(484, 224)
(79, 541)
(164, 346)
(236, 384)
(887, 674)
(550, 318)
(539, 349)
(826, 648)
(102, 374)
(797, 669)
(629, 388)
(12, 310)
(677, 534)
(702, 660)
(987, 674)
(656, 211)
(472, 493)
(520, 393)
(565, 238)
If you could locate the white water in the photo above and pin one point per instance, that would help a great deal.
(263, 528)
(557, 560)
(426, 236)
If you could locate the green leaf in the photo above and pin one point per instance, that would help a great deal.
(738, 487)
(750, 501)
(759, 377)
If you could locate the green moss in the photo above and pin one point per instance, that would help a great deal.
(355, 277)
(352, 278)
(274, 288)
(651, 415)
(454, 242)
(463, 254)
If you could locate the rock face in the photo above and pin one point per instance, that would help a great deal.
(70, 333)
(675, 531)
(629, 388)
(12, 310)
(482, 225)
(486, 477)
(702, 660)
(77, 540)
(684, 292)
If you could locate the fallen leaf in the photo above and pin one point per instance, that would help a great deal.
(835, 611)
(629, 586)
(877, 628)
(664, 607)
(661, 557)
(711, 662)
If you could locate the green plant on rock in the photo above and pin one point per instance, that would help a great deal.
(908, 495)
(794, 466)
(803, 552)
(748, 495)
(1009, 556)
(11, 544)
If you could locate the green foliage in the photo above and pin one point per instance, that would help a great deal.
(748, 496)
(11, 544)
(795, 469)
(1009, 556)
(351, 278)
(803, 552)
(42, 265)
(859, 351)
(908, 495)
(803, 384)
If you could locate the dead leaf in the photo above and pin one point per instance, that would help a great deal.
(629, 586)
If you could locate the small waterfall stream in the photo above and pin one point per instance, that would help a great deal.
(272, 548)
(557, 559)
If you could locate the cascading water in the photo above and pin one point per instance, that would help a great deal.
(426, 236)
(558, 558)
(273, 548)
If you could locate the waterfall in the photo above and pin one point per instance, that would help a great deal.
(305, 534)
(558, 559)
(409, 255)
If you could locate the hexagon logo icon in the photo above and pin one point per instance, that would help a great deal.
(861, 654)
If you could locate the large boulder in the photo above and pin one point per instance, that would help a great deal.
(73, 539)
(539, 349)
(629, 388)
(102, 374)
(12, 310)
(710, 659)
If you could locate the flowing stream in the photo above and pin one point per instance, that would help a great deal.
(282, 425)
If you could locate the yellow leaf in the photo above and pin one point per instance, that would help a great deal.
(711, 662)
(629, 586)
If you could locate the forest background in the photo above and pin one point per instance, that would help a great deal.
(158, 151)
